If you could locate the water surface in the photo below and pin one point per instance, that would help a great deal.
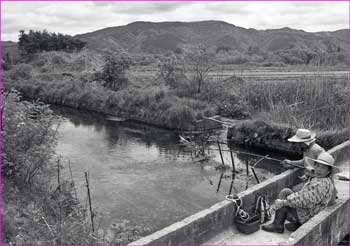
(141, 173)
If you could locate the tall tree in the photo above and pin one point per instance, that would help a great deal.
(201, 64)
(114, 71)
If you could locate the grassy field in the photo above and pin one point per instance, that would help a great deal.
(317, 102)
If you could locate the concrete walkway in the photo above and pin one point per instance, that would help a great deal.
(213, 226)
(231, 236)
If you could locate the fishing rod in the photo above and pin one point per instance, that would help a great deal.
(261, 156)
(256, 155)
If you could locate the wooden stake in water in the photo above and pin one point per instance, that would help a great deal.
(71, 176)
(222, 159)
(58, 175)
(219, 184)
(256, 177)
(233, 172)
(233, 163)
(89, 196)
(247, 165)
(231, 186)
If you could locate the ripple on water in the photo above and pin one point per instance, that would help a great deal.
(140, 175)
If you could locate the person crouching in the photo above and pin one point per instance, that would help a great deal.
(316, 194)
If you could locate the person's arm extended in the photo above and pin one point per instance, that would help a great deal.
(291, 164)
(298, 162)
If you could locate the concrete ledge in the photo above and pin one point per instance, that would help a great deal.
(329, 226)
(340, 152)
(203, 225)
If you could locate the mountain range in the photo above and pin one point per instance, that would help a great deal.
(151, 37)
(229, 43)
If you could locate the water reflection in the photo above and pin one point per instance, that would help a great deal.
(141, 174)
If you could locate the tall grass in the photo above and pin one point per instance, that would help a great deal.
(319, 103)
(155, 104)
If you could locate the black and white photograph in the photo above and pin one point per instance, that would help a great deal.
(175, 123)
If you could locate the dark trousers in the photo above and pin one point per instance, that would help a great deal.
(292, 215)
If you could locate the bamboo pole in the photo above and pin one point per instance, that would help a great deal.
(222, 159)
(268, 158)
(90, 206)
(219, 184)
(233, 163)
(247, 165)
(233, 172)
(58, 175)
(255, 176)
(71, 176)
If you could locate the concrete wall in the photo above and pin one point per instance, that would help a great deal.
(328, 227)
(340, 152)
(206, 223)
(331, 225)
(203, 225)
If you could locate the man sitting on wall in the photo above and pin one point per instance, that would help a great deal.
(316, 194)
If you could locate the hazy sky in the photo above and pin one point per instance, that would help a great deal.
(81, 17)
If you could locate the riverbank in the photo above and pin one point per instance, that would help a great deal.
(274, 137)
(35, 209)
(155, 105)
(40, 202)
(144, 97)
(176, 98)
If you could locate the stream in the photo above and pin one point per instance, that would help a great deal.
(144, 174)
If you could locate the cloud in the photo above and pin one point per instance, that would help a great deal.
(139, 8)
(81, 17)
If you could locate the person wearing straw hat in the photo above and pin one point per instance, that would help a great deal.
(315, 195)
(311, 150)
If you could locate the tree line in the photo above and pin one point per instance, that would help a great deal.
(37, 41)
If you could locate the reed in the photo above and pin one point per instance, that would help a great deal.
(319, 103)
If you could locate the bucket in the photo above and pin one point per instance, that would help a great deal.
(249, 226)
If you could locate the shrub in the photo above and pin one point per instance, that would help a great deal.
(200, 62)
(178, 51)
(179, 116)
(223, 48)
(40, 62)
(172, 72)
(28, 138)
(57, 60)
(113, 73)
(21, 71)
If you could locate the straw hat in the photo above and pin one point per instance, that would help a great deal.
(303, 136)
(326, 159)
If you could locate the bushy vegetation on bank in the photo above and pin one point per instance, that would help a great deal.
(152, 105)
(319, 104)
(279, 108)
(34, 210)
(180, 93)
(37, 206)
(151, 99)
(274, 136)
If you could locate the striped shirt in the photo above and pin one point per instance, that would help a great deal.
(312, 198)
